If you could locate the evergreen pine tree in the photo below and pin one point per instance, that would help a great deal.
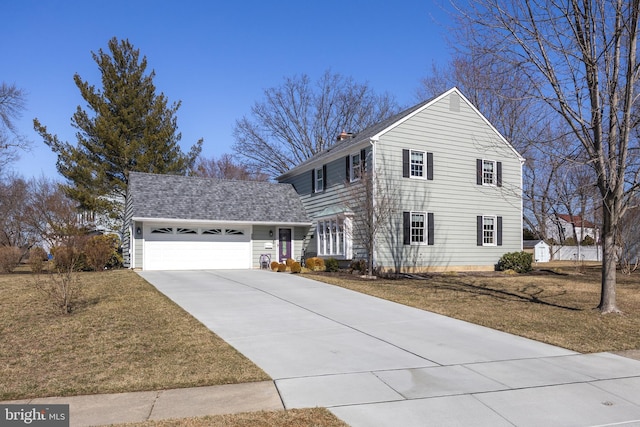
(129, 128)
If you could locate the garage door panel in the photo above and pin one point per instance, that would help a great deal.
(169, 252)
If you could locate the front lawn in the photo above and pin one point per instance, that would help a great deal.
(555, 304)
(124, 336)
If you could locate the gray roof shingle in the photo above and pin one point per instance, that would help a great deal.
(208, 199)
(349, 143)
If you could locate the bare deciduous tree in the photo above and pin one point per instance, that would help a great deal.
(14, 202)
(579, 57)
(301, 118)
(372, 205)
(225, 167)
(51, 214)
(12, 104)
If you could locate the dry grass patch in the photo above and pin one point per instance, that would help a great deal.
(558, 309)
(123, 336)
(292, 418)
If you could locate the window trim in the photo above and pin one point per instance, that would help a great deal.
(493, 172)
(334, 244)
(496, 232)
(319, 182)
(413, 231)
(424, 164)
(427, 164)
(428, 232)
(355, 173)
(496, 180)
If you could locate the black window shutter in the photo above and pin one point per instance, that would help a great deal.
(324, 178)
(479, 171)
(347, 172)
(480, 239)
(499, 174)
(405, 163)
(430, 228)
(499, 231)
(363, 160)
(313, 181)
(430, 166)
(406, 227)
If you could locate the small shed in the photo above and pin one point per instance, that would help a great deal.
(540, 250)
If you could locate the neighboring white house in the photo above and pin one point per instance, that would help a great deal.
(560, 227)
(455, 181)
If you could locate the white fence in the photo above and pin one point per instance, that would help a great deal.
(576, 253)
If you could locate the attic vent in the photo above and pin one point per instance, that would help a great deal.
(454, 103)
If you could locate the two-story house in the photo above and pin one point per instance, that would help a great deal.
(450, 182)
(454, 186)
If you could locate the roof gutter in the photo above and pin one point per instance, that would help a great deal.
(213, 222)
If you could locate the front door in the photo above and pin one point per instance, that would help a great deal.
(284, 250)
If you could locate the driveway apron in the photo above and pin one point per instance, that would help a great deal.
(377, 363)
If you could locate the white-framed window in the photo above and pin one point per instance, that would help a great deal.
(319, 180)
(355, 172)
(418, 228)
(417, 164)
(333, 237)
(489, 172)
(489, 230)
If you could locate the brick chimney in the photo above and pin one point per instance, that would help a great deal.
(344, 135)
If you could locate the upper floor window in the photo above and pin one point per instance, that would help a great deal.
(489, 172)
(319, 180)
(356, 167)
(417, 164)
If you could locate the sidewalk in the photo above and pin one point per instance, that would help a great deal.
(104, 409)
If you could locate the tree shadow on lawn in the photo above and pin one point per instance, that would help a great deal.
(530, 293)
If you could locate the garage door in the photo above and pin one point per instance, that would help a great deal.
(196, 248)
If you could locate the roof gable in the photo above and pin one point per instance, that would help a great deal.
(576, 220)
(207, 199)
(373, 133)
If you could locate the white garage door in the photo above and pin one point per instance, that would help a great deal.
(196, 248)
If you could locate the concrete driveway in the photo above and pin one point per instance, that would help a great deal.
(377, 363)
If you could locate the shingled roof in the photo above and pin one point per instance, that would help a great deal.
(207, 199)
(348, 144)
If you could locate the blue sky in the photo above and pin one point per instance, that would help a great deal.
(217, 57)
